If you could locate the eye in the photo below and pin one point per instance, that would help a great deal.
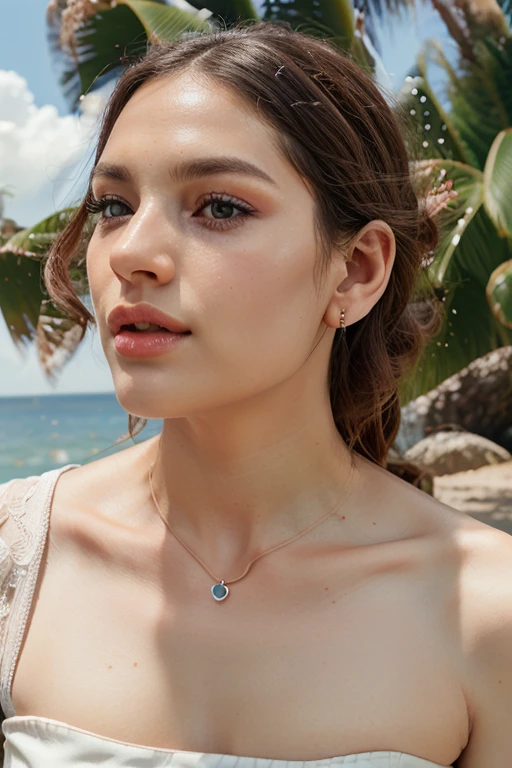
(96, 206)
(221, 206)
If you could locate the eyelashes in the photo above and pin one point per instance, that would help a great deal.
(94, 205)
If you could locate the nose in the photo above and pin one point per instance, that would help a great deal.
(146, 248)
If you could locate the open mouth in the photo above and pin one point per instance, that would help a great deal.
(149, 328)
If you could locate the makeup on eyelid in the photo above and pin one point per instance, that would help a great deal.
(98, 205)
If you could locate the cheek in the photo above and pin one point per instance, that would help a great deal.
(263, 299)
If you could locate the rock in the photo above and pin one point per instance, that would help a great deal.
(478, 399)
(445, 453)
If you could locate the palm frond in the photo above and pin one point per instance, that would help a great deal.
(498, 183)
(481, 99)
(469, 251)
(331, 18)
(28, 312)
(95, 46)
(431, 127)
(499, 293)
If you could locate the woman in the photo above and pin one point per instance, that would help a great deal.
(252, 583)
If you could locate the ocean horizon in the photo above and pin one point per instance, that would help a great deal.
(42, 432)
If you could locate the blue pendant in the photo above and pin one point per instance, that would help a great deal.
(220, 591)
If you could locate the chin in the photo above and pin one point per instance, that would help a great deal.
(140, 401)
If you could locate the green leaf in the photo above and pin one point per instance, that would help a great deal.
(20, 294)
(168, 22)
(58, 339)
(37, 239)
(481, 98)
(28, 312)
(499, 293)
(229, 11)
(331, 18)
(470, 330)
(435, 132)
(108, 40)
(453, 221)
(498, 183)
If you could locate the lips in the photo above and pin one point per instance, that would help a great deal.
(124, 315)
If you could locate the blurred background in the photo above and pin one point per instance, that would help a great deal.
(445, 64)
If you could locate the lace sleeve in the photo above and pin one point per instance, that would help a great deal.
(16, 552)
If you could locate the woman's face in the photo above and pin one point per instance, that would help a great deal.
(238, 273)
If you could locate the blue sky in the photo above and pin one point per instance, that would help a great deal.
(52, 137)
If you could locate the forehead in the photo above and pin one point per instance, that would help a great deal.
(187, 111)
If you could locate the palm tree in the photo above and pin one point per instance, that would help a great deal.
(463, 133)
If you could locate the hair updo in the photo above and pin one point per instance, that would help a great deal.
(336, 129)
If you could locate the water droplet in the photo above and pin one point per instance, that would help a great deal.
(456, 239)
(469, 210)
(443, 127)
(413, 111)
(440, 141)
(446, 344)
(454, 311)
(425, 143)
(427, 127)
(423, 99)
(414, 91)
(461, 222)
(426, 113)
(409, 79)
(81, 97)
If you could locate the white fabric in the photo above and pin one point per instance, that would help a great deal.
(39, 742)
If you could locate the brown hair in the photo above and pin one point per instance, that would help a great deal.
(337, 130)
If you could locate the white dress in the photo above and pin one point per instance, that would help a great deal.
(40, 742)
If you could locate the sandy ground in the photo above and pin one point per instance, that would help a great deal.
(484, 493)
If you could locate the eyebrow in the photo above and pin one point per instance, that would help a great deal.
(188, 169)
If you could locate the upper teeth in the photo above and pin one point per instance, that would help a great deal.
(147, 326)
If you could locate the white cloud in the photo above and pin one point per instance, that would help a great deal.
(42, 156)
(37, 145)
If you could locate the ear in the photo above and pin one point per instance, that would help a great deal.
(369, 260)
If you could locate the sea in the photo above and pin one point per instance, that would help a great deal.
(43, 432)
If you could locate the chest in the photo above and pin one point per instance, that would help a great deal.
(343, 657)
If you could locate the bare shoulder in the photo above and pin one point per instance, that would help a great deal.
(107, 492)
(478, 558)
(486, 634)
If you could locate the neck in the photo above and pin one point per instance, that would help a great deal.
(238, 482)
